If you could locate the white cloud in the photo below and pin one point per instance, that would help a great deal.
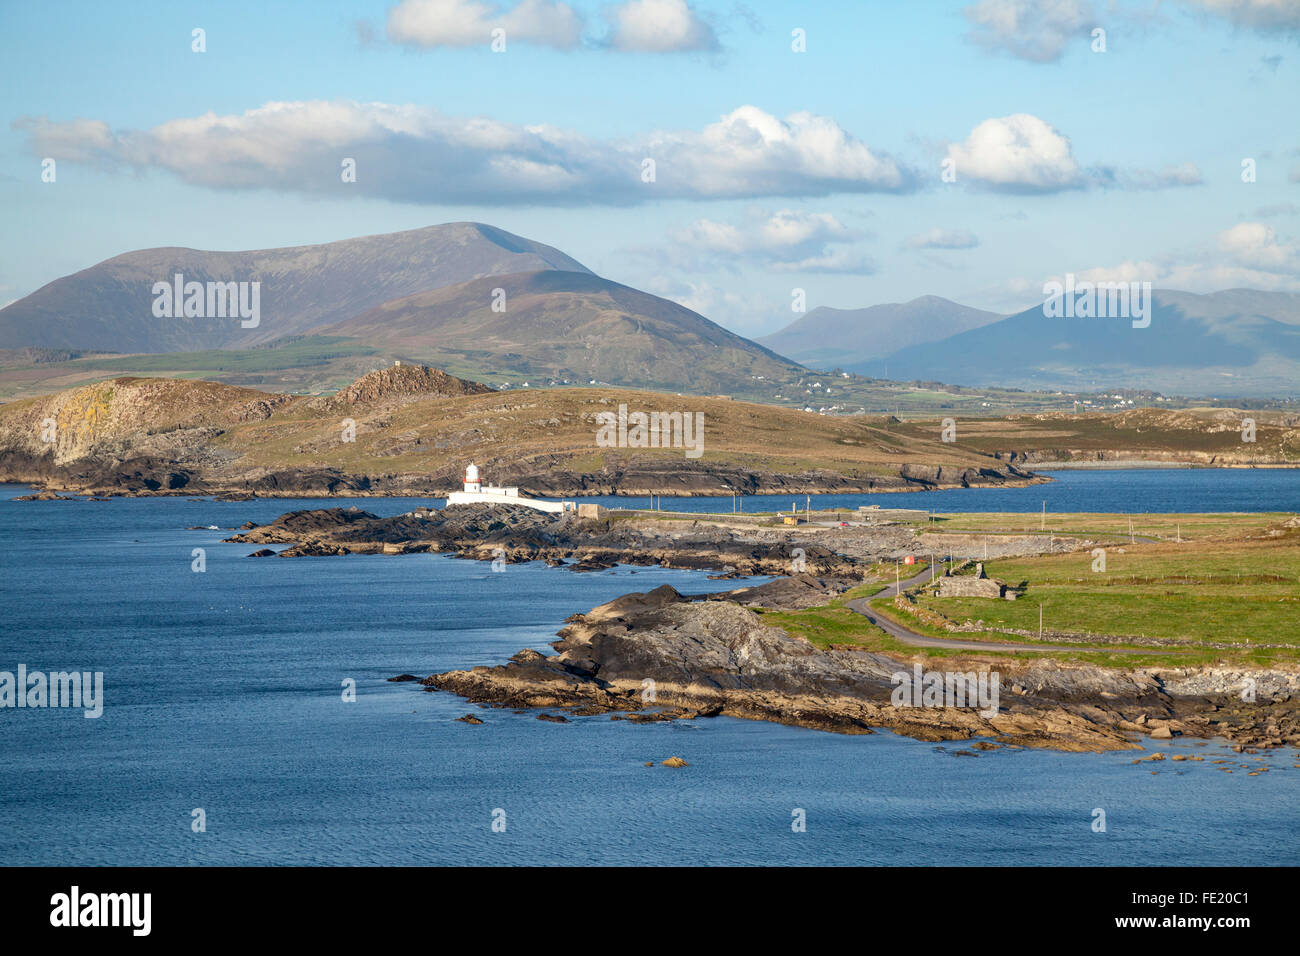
(781, 231)
(1194, 276)
(765, 149)
(785, 241)
(1023, 154)
(939, 238)
(465, 23)
(1034, 30)
(415, 154)
(1247, 255)
(1257, 246)
(1017, 153)
(739, 308)
(659, 26)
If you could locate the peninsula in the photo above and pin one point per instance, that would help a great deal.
(820, 644)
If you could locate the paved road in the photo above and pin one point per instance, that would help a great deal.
(908, 636)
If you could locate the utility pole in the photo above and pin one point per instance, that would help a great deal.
(1043, 526)
(1040, 622)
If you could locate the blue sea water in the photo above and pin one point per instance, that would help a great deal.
(1123, 491)
(223, 692)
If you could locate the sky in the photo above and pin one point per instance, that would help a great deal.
(718, 153)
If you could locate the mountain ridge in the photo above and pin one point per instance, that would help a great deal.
(1238, 342)
(570, 326)
(109, 306)
(829, 337)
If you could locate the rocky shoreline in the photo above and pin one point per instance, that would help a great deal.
(661, 656)
(516, 534)
(148, 476)
(716, 654)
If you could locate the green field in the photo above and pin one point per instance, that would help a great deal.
(1243, 593)
(1229, 591)
(1188, 527)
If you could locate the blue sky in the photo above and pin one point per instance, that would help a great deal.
(775, 170)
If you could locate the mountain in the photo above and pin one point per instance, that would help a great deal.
(849, 338)
(109, 307)
(567, 326)
(1240, 343)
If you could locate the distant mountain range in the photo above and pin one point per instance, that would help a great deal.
(851, 339)
(488, 304)
(1239, 342)
(567, 326)
(109, 307)
(467, 294)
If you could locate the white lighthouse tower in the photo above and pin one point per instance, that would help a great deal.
(477, 493)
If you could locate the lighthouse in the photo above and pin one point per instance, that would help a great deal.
(478, 493)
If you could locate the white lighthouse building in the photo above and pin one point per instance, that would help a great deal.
(477, 493)
(472, 483)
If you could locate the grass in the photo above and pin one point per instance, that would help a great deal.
(1232, 584)
(1242, 591)
(1120, 656)
(834, 623)
(1171, 526)
(306, 352)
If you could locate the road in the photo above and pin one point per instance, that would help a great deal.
(908, 636)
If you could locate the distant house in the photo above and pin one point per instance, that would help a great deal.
(978, 585)
(874, 514)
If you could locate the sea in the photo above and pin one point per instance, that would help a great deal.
(247, 718)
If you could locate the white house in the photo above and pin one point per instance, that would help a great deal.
(476, 492)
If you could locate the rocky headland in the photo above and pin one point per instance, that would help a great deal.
(721, 654)
(735, 548)
(410, 430)
(663, 656)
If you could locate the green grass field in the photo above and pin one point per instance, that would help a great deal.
(1242, 593)
(1229, 591)
(1167, 526)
